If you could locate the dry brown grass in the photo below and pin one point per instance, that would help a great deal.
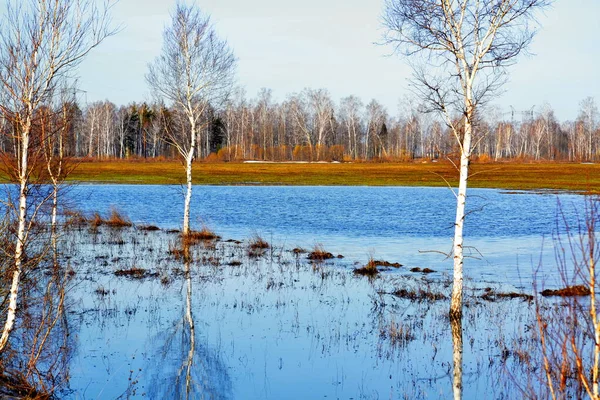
(117, 220)
(578, 290)
(369, 270)
(202, 236)
(135, 273)
(382, 263)
(505, 175)
(96, 220)
(319, 254)
(257, 246)
(75, 218)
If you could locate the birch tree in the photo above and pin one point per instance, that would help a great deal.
(41, 41)
(459, 50)
(194, 70)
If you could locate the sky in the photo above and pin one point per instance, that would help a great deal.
(291, 45)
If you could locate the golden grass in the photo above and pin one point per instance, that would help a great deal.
(117, 220)
(504, 175)
(202, 236)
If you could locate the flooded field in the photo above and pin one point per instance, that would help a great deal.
(273, 325)
(264, 312)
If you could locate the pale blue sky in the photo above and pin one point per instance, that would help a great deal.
(287, 46)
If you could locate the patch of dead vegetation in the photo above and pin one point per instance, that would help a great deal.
(569, 291)
(491, 295)
(135, 273)
(148, 228)
(319, 254)
(202, 236)
(418, 295)
(257, 247)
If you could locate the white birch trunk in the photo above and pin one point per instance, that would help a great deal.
(461, 198)
(188, 173)
(594, 316)
(21, 236)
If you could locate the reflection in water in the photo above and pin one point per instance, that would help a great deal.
(195, 371)
(457, 355)
(192, 330)
(37, 359)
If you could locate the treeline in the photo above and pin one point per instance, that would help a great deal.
(310, 126)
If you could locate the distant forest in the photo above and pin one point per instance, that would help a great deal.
(310, 126)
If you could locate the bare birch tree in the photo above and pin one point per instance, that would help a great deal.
(41, 41)
(194, 71)
(460, 50)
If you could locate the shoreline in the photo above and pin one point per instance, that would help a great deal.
(528, 176)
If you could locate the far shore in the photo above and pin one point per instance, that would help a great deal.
(558, 176)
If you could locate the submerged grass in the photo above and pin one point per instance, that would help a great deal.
(396, 317)
(504, 175)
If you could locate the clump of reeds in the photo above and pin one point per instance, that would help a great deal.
(491, 295)
(382, 263)
(369, 270)
(422, 270)
(319, 254)
(149, 228)
(75, 219)
(135, 273)
(96, 220)
(117, 220)
(418, 295)
(257, 247)
(298, 250)
(202, 236)
(569, 291)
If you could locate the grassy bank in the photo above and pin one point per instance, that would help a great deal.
(556, 176)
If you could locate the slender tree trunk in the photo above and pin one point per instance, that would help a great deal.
(21, 233)
(188, 173)
(457, 287)
(593, 311)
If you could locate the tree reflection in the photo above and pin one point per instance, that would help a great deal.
(457, 355)
(188, 370)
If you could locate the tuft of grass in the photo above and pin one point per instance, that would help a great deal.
(149, 228)
(135, 273)
(418, 295)
(319, 254)
(422, 270)
(202, 236)
(96, 220)
(491, 295)
(259, 243)
(257, 247)
(369, 270)
(75, 218)
(569, 291)
(381, 263)
(117, 220)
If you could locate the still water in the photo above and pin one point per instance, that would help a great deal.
(278, 327)
(509, 235)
